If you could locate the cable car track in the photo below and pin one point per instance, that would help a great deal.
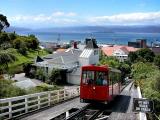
(98, 111)
(90, 112)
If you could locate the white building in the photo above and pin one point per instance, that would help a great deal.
(120, 52)
(71, 61)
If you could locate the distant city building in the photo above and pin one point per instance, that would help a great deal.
(155, 44)
(140, 43)
(120, 52)
(71, 60)
(156, 50)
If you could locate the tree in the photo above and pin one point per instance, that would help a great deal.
(33, 42)
(6, 57)
(12, 36)
(146, 54)
(4, 38)
(55, 76)
(27, 68)
(157, 60)
(110, 61)
(132, 57)
(3, 22)
(125, 70)
(23, 48)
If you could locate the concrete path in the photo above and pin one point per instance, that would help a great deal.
(21, 77)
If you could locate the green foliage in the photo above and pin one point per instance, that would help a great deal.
(157, 60)
(132, 57)
(6, 40)
(12, 36)
(142, 70)
(6, 57)
(4, 37)
(111, 61)
(41, 74)
(27, 69)
(23, 49)
(17, 66)
(156, 84)
(17, 43)
(125, 70)
(151, 89)
(143, 55)
(9, 90)
(34, 43)
(147, 54)
(23, 43)
(147, 76)
(55, 76)
(42, 88)
(48, 51)
(3, 22)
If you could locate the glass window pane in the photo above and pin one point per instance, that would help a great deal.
(88, 77)
(101, 78)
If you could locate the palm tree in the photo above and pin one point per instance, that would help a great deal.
(6, 57)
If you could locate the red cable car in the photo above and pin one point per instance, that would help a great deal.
(99, 83)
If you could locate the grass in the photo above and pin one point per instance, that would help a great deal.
(17, 66)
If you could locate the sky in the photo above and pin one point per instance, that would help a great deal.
(61, 13)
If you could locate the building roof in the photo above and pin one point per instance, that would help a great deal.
(86, 53)
(61, 50)
(61, 60)
(91, 44)
(109, 50)
(68, 52)
(39, 59)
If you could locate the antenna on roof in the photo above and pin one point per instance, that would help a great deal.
(115, 41)
(58, 39)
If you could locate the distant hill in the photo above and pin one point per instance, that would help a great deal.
(17, 29)
(91, 29)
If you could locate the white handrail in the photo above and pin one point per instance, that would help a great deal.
(16, 106)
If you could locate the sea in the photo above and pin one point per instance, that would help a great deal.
(101, 37)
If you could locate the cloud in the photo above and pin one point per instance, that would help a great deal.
(55, 17)
(60, 18)
(63, 14)
(129, 18)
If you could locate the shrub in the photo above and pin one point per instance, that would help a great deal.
(9, 90)
(42, 88)
(55, 76)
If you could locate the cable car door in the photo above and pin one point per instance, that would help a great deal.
(100, 88)
(87, 85)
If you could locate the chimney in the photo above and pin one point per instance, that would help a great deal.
(75, 45)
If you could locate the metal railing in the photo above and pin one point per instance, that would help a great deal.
(17, 106)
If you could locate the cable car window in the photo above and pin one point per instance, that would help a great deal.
(101, 78)
(88, 77)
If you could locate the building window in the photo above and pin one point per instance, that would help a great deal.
(95, 52)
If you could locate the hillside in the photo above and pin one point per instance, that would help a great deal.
(91, 29)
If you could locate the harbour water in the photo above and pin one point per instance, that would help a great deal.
(107, 38)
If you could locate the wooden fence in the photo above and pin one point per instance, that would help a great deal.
(17, 106)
